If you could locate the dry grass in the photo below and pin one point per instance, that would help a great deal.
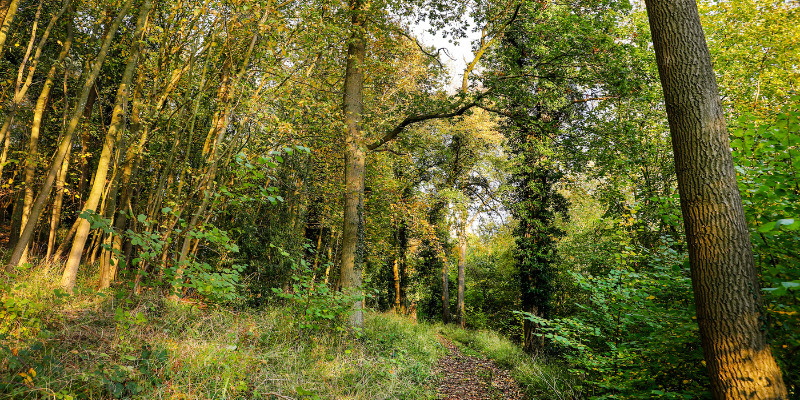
(212, 353)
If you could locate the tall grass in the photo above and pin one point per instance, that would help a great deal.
(101, 345)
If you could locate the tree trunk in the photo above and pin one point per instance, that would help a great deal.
(55, 218)
(462, 261)
(9, 12)
(724, 278)
(41, 103)
(445, 294)
(352, 257)
(66, 142)
(112, 136)
(108, 269)
(396, 274)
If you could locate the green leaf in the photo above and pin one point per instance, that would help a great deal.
(767, 227)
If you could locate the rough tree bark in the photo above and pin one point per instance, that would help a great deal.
(724, 278)
(352, 255)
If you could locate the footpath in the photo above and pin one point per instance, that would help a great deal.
(467, 377)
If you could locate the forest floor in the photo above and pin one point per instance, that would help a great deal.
(92, 345)
(473, 377)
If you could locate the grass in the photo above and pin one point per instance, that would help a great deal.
(98, 346)
(538, 377)
(91, 345)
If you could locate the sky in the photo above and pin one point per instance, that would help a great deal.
(458, 52)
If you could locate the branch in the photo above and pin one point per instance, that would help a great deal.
(594, 99)
(434, 56)
(504, 113)
(419, 118)
(395, 152)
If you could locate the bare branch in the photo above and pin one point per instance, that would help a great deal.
(420, 118)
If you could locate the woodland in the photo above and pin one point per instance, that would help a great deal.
(260, 199)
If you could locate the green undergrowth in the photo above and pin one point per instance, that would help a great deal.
(538, 377)
(98, 346)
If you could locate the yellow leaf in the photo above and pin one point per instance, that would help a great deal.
(651, 297)
(32, 372)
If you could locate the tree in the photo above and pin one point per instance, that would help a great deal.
(724, 279)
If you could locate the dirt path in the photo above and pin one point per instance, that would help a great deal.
(473, 378)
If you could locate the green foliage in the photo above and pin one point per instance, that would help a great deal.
(29, 369)
(141, 373)
(492, 282)
(217, 283)
(19, 317)
(767, 158)
(631, 332)
(314, 303)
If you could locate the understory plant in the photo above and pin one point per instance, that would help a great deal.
(314, 303)
(633, 332)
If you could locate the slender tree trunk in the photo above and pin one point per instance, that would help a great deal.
(6, 147)
(185, 247)
(445, 294)
(396, 274)
(107, 270)
(403, 247)
(41, 103)
(66, 142)
(112, 136)
(128, 170)
(725, 281)
(55, 218)
(85, 136)
(67, 240)
(9, 12)
(462, 261)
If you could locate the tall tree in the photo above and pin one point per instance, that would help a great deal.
(355, 157)
(724, 278)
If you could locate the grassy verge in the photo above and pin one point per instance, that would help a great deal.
(538, 378)
(97, 346)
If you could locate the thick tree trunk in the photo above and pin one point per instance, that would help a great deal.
(66, 142)
(352, 256)
(724, 278)
(112, 136)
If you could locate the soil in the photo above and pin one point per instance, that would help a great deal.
(467, 377)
